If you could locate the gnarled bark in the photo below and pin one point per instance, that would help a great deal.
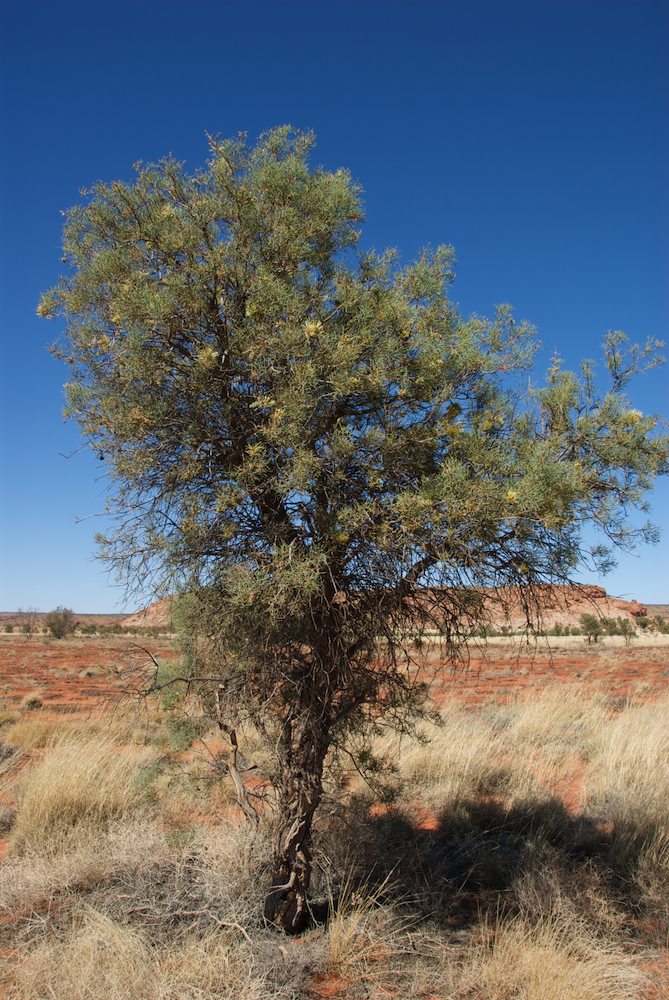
(300, 791)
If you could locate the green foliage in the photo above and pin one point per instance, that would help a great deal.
(145, 781)
(626, 629)
(655, 624)
(619, 626)
(593, 627)
(182, 731)
(172, 689)
(61, 622)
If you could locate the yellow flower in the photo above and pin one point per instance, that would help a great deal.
(511, 496)
(207, 357)
(312, 327)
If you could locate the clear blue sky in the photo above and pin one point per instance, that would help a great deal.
(531, 134)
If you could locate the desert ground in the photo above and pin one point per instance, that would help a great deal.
(520, 849)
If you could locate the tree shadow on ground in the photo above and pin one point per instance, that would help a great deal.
(482, 859)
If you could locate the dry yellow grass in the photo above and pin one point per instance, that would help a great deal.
(75, 791)
(37, 731)
(460, 760)
(361, 929)
(100, 958)
(150, 913)
(558, 719)
(628, 781)
(554, 959)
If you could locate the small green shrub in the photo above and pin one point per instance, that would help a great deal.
(182, 731)
(61, 622)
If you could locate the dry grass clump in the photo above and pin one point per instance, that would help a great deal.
(558, 720)
(628, 786)
(31, 733)
(460, 760)
(138, 873)
(40, 731)
(122, 854)
(99, 958)
(139, 915)
(363, 927)
(651, 881)
(77, 790)
(629, 776)
(31, 702)
(553, 959)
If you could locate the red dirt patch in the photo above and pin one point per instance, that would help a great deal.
(72, 674)
(328, 986)
(500, 671)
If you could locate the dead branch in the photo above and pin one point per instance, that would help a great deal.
(242, 795)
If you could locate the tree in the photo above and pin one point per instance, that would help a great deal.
(314, 446)
(28, 618)
(60, 622)
(626, 629)
(592, 626)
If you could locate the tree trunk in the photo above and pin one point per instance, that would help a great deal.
(287, 902)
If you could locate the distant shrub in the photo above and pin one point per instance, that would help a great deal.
(90, 628)
(626, 629)
(9, 629)
(28, 619)
(61, 622)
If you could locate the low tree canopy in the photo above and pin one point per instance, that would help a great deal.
(313, 444)
(61, 622)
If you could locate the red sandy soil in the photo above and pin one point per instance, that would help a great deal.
(76, 674)
(497, 672)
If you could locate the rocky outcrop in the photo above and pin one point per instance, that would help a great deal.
(558, 606)
(504, 608)
(157, 615)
